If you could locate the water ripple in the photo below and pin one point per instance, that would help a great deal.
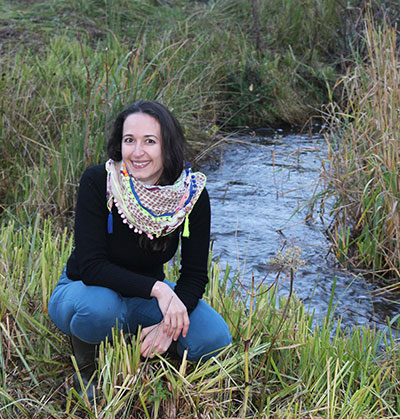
(258, 197)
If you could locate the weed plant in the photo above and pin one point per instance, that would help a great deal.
(364, 148)
(60, 105)
(279, 365)
(67, 68)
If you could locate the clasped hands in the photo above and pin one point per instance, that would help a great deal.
(158, 337)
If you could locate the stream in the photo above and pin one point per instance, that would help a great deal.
(258, 192)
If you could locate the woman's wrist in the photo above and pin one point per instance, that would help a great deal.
(158, 289)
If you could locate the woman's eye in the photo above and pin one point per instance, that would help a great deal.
(150, 141)
(128, 140)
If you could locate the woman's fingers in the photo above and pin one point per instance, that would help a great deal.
(155, 339)
(186, 324)
(147, 330)
(168, 318)
(153, 343)
(174, 324)
(178, 324)
(175, 332)
(148, 339)
(176, 318)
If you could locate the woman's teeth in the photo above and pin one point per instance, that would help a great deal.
(140, 165)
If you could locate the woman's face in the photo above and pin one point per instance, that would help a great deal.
(141, 147)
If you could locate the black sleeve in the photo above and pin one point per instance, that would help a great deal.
(194, 255)
(94, 265)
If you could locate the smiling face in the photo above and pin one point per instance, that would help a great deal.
(141, 147)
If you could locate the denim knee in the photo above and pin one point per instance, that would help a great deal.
(208, 334)
(94, 318)
(89, 312)
(210, 346)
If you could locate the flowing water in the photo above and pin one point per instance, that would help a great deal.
(259, 191)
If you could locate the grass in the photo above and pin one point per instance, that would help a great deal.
(364, 146)
(76, 101)
(280, 363)
(67, 68)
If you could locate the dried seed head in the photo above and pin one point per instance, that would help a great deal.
(289, 259)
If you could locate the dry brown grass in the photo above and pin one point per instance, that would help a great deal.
(364, 155)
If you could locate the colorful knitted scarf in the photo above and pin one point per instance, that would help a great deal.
(151, 209)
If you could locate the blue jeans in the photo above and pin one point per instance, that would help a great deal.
(90, 312)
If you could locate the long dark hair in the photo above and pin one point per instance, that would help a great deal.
(173, 147)
(173, 141)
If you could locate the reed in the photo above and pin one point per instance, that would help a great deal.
(56, 125)
(364, 149)
(281, 364)
(58, 95)
(68, 68)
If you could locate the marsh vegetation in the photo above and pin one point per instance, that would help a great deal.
(67, 68)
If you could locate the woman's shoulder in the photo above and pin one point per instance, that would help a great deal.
(202, 206)
(95, 173)
(93, 180)
(96, 170)
(204, 196)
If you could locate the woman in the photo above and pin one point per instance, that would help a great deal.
(130, 215)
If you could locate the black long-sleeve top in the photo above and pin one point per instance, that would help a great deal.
(117, 262)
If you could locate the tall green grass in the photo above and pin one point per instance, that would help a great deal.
(280, 363)
(67, 68)
(59, 107)
(364, 147)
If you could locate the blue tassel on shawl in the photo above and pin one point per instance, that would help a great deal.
(110, 223)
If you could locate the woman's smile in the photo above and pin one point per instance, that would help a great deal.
(140, 164)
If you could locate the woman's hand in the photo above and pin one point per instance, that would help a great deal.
(154, 340)
(176, 319)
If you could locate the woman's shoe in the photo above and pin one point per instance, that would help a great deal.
(85, 355)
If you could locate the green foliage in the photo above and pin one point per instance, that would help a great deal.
(294, 366)
(364, 154)
(57, 119)
(68, 68)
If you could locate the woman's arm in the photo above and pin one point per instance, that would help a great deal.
(194, 256)
(90, 257)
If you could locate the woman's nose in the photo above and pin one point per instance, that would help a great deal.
(138, 149)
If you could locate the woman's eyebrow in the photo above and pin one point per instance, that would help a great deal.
(145, 136)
